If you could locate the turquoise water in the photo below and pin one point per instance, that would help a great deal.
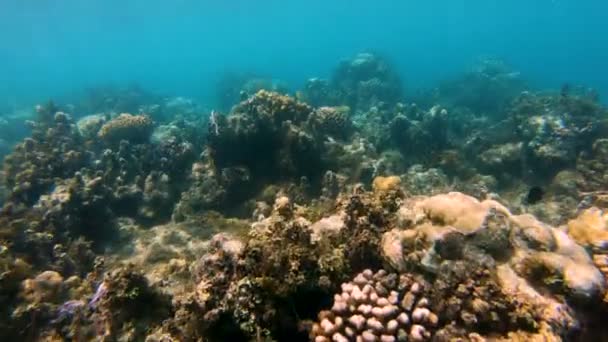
(53, 48)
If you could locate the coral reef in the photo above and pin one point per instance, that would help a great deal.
(343, 213)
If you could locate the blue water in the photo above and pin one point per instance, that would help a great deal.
(50, 48)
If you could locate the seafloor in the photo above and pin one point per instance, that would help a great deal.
(340, 213)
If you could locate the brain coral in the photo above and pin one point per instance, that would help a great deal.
(134, 128)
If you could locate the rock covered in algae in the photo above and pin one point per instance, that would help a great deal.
(133, 128)
(378, 307)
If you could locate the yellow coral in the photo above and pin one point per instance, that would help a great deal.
(590, 228)
(456, 209)
(126, 127)
(383, 184)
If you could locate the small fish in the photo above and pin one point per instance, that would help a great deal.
(535, 195)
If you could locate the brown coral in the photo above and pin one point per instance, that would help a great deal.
(133, 128)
